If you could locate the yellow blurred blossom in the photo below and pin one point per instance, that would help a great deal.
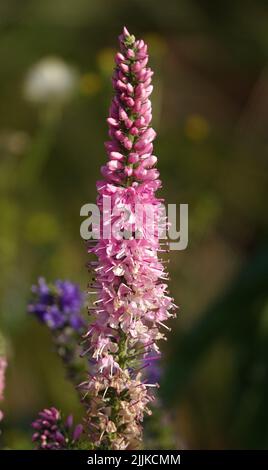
(90, 83)
(197, 127)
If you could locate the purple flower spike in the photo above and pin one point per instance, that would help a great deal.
(48, 435)
(58, 305)
(52, 434)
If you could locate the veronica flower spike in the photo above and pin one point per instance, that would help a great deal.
(3, 366)
(59, 306)
(52, 433)
(132, 301)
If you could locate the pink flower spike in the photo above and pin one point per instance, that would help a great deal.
(3, 366)
(130, 306)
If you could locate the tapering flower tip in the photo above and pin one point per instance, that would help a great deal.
(51, 433)
(125, 32)
(58, 305)
(126, 38)
(130, 116)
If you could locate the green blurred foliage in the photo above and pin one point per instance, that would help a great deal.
(210, 111)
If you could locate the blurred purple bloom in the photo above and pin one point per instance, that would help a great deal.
(77, 432)
(57, 305)
(47, 434)
(69, 422)
(70, 297)
(51, 433)
(152, 369)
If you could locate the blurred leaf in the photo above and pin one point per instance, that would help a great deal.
(231, 317)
